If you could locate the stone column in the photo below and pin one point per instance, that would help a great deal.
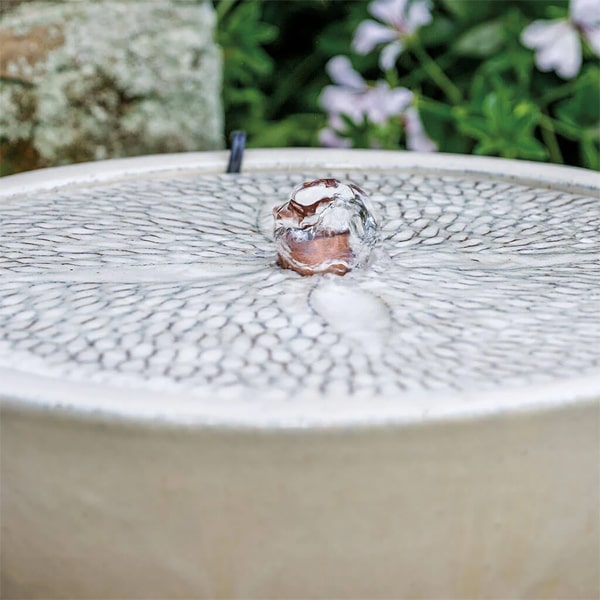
(97, 79)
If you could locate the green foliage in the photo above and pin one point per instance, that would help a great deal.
(242, 36)
(274, 65)
(475, 85)
(504, 128)
(579, 116)
(482, 40)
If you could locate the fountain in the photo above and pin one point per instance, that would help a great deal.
(185, 413)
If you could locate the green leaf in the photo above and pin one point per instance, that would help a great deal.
(531, 148)
(294, 130)
(556, 12)
(496, 109)
(438, 32)
(480, 88)
(487, 148)
(481, 41)
(439, 122)
(476, 127)
(526, 116)
(469, 10)
(583, 108)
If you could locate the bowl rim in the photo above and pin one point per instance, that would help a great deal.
(215, 162)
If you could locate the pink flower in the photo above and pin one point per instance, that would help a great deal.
(557, 44)
(402, 19)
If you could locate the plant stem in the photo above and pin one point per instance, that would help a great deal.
(437, 75)
(418, 74)
(568, 131)
(441, 109)
(557, 93)
(297, 77)
(549, 135)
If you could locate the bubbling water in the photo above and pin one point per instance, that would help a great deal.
(326, 227)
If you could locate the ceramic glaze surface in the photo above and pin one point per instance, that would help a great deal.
(169, 283)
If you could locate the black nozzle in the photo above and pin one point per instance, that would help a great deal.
(236, 154)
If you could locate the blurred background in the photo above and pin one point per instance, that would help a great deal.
(93, 79)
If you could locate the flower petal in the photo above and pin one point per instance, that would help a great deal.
(541, 33)
(389, 55)
(416, 136)
(336, 122)
(419, 14)
(389, 11)
(392, 102)
(330, 139)
(585, 12)
(340, 69)
(592, 35)
(382, 102)
(339, 100)
(563, 55)
(370, 34)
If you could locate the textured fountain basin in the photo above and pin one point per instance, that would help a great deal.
(164, 282)
(163, 379)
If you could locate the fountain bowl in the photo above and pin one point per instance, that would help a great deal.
(112, 488)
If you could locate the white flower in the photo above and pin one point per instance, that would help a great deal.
(557, 43)
(402, 19)
(346, 96)
(557, 46)
(353, 97)
(329, 137)
(357, 100)
(585, 14)
(416, 136)
(383, 102)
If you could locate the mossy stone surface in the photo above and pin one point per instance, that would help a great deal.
(92, 80)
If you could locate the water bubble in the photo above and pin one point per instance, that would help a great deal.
(326, 227)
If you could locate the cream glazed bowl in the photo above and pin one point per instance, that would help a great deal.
(182, 418)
